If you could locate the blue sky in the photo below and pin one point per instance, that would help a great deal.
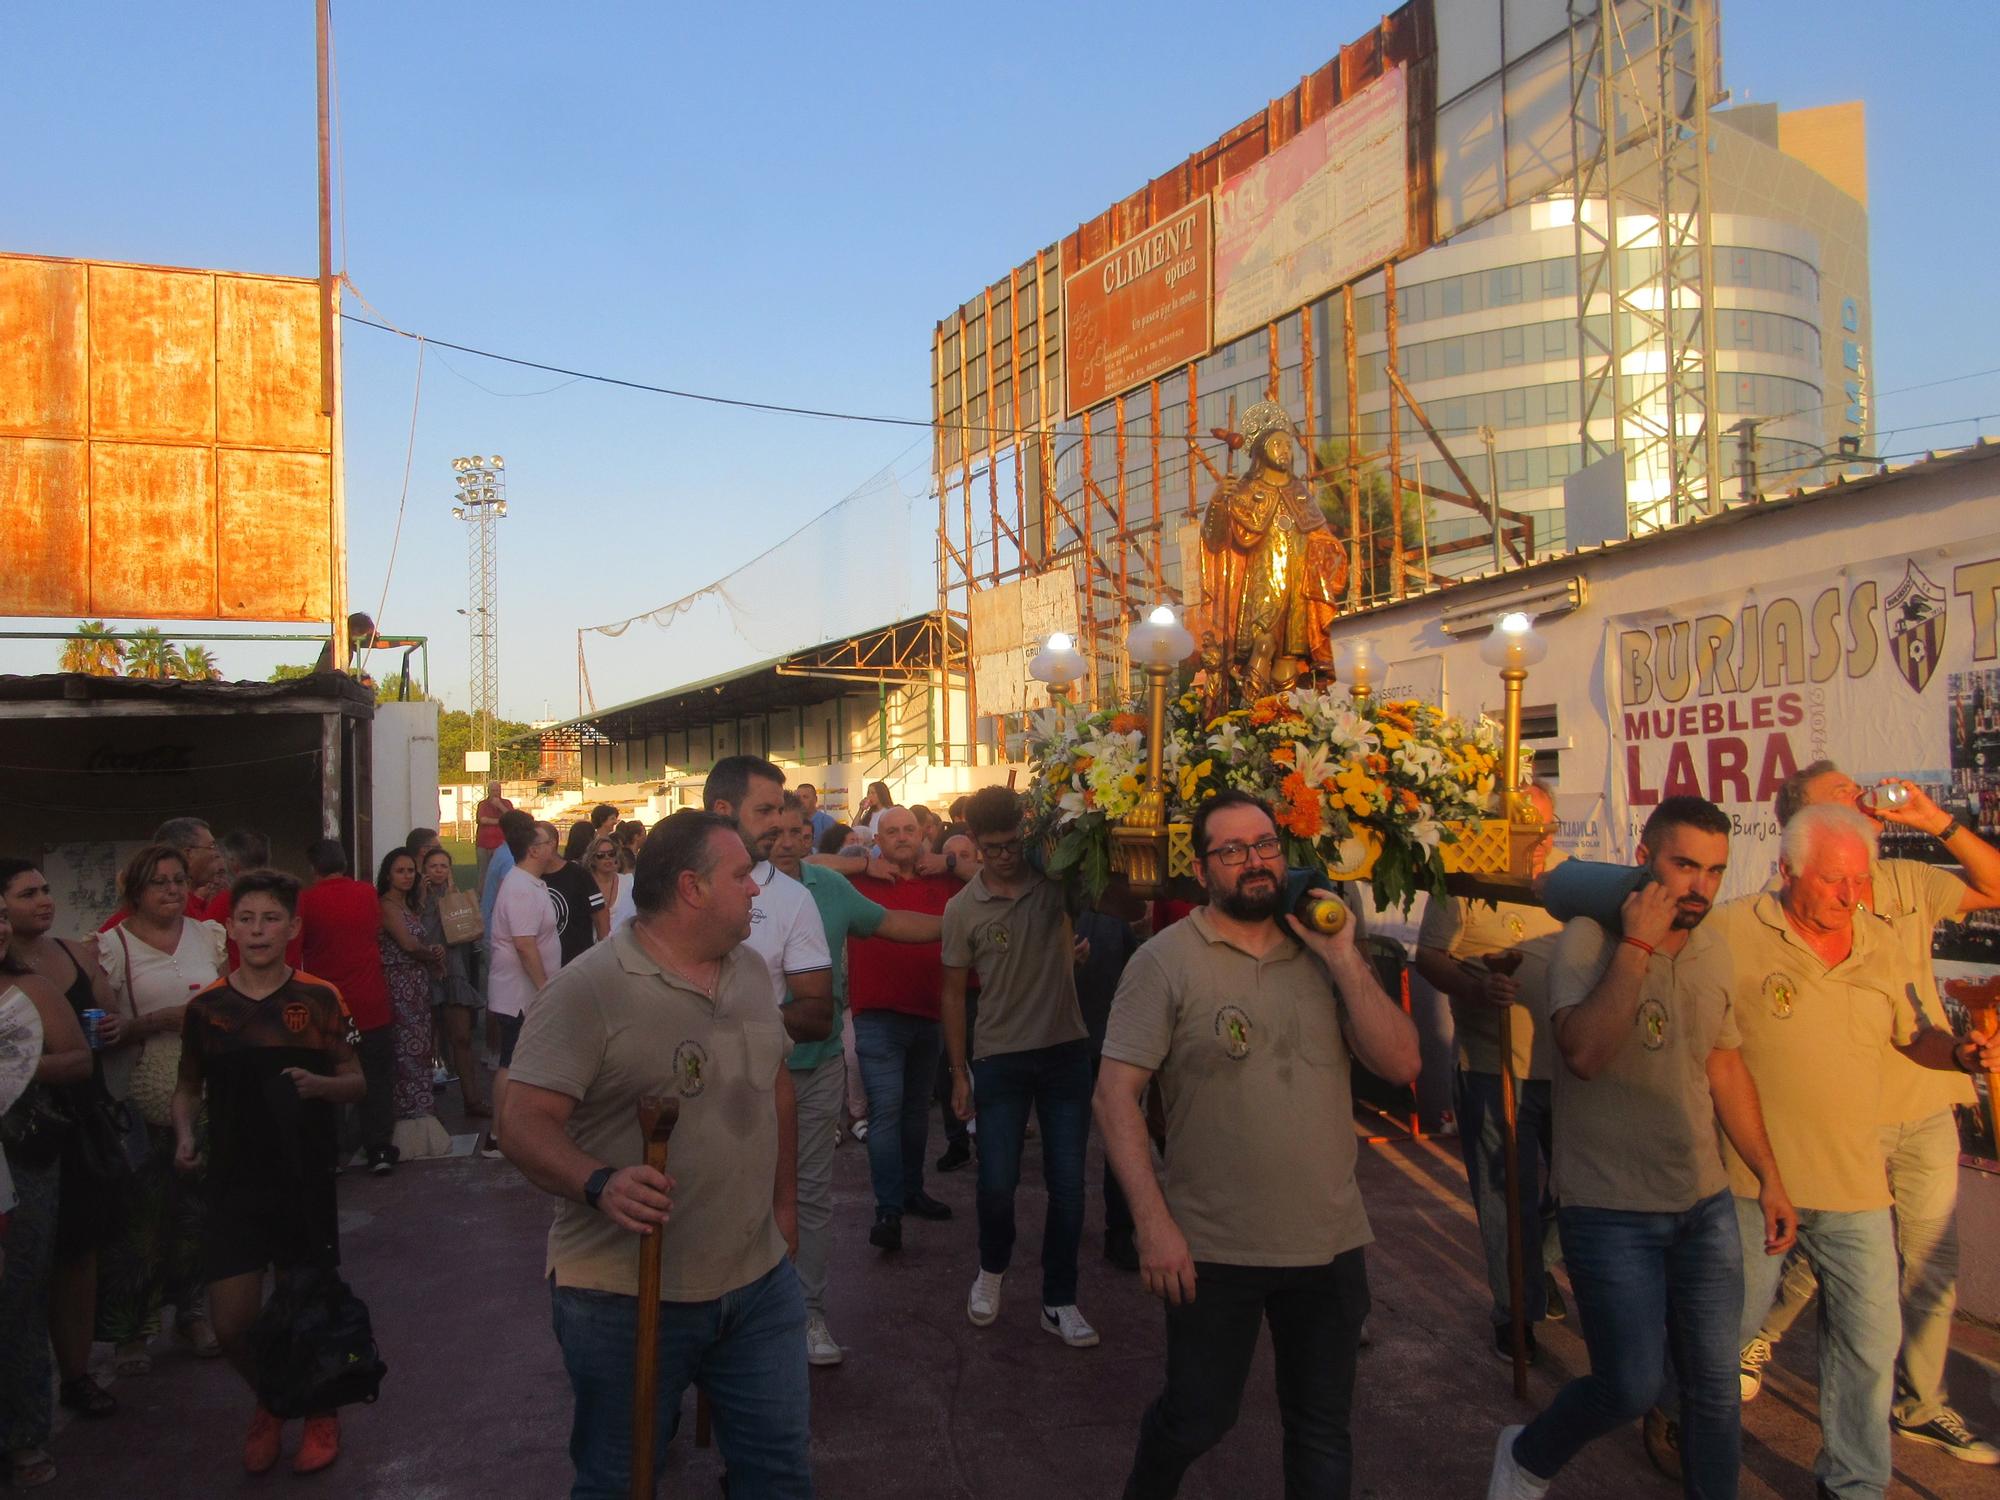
(774, 202)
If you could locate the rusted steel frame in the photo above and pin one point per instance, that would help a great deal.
(1124, 542)
(992, 437)
(1153, 432)
(1194, 447)
(1311, 456)
(1014, 391)
(1089, 560)
(1353, 443)
(967, 558)
(1193, 429)
(1396, 579)
(1271, 352)
(1451, 462)
(1044, 421)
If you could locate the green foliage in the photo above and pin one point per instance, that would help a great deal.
(455, 735)
(1377, 524)
(199, 665)
(93, 649)
(153, 656)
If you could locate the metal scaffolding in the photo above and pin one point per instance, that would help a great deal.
(1642, 81)
(481, 502)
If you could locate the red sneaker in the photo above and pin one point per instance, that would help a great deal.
(260, 1447)
(321, 1446)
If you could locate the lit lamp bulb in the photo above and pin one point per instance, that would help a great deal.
(1514, 643)
(1357, 665)
(1057, 665)
(1160, 640)
(1513, 647)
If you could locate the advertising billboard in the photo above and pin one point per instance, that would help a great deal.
(1139, 310)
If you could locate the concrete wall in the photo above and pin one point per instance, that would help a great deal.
(404, 790)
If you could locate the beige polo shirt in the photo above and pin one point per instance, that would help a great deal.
(1023, 949)
(1253, 1073)
(1910, 899)
(615, 1026)
(1641, 1135)
(1813, 1038)
(1463, 928)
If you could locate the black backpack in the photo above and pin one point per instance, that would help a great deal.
(314, 1346)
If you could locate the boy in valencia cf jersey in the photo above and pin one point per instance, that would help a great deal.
(272, 1050)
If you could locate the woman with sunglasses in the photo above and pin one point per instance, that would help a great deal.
(455, 999)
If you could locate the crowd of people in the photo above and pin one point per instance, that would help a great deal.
(1714, 1109)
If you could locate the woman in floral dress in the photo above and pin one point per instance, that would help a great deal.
(408, 963)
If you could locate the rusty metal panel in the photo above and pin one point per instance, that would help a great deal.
(162, 450)
(272, 511)
(41, 348)
(152, 534)
(41, 480)
(152, 354)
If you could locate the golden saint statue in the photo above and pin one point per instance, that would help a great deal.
(1272, 572)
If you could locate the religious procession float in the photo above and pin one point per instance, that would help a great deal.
(1248, 694)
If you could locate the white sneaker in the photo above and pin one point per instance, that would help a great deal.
(820, 1347)
(1750, 1368)
(983, 1306)
(1067, 1324)
(1509, 1480)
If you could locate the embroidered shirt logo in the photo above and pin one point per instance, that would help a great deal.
(1232, 1029)
(1652, 1024)
(1781, 991)
(690, 1069)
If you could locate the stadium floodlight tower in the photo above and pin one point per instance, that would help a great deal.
(481, 502)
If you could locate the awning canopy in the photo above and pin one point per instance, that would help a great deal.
(907, 651)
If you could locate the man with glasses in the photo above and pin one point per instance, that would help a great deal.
(1033, 1050)
(1249, 1019)
(196, 842)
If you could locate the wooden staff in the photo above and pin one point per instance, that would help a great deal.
(1503, 1025)
(658, 1114)
(1981, 999)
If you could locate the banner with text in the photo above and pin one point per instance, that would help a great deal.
(1138, 312)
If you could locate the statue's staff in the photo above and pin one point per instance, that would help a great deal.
(658, 1114)
(1503, 1022)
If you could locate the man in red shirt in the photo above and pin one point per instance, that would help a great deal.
(340, 917)
(489, 837)
(196, 842)
(893, 990)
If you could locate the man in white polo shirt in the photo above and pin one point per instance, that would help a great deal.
(785, 929)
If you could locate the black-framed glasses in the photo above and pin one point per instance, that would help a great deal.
(992, 847)
(1236, 854)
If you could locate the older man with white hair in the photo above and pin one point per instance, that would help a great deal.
(1816, 995)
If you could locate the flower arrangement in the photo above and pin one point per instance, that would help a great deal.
(1341, 776)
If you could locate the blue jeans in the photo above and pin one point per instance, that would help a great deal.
(1055, 1081)
(747, 1349)
(1861, 1325)
(1482, 1136)
(899, 1056)
(1645, 1283)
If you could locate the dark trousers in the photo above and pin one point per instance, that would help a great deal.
(1055, 1083)
(378, 1069)
(1117, 1212)
(1315, 1313)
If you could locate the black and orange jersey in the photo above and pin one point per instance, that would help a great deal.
(237, 1049)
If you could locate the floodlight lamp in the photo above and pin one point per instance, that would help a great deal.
(478, 460)
(499, 462)
(458, 512)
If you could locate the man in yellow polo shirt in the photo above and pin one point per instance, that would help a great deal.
(1919, 1128)
(1816, 994)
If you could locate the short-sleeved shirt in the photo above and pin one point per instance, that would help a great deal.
(843, 913)
(785, 929)
(822, 820)
(1022, 948)
(261, 1135)
(1463, 928)
(1254, 1075)
(489, 836)
(1909, 900)
(523, 910)
(496, 873)
(1641, 1135)
(577, 899)
(618, 1027)
(1814, 1036)
(338, 918)
(905, 977)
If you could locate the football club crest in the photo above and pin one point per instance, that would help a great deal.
(297, 1017)
(1916, 615)
(690, 1069)
(1232, 1029)
(1781, 992)
(1652, 1024)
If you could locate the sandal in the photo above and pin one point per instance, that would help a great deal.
(131, 1358)
(86, 1398)
(29, 1468)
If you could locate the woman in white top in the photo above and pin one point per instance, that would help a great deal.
(157, 960)
(615, 885)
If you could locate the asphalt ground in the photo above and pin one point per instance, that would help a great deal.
(448, 1254)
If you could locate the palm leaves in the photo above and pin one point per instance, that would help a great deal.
(197, 665)
(93, 650)
(152, 655)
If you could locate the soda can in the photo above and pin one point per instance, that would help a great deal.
(91, 1020)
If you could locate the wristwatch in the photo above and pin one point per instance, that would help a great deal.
(1945, 834)
(593, 1185)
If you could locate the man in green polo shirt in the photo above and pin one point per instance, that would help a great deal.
(1249, 1019)
(673, 1005)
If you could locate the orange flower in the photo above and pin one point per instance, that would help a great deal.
(1126, 723)
(1299, 812)
(1264, 711)
(1379, 764)
(1082, 763)
(1408, 798)
(1283, 755)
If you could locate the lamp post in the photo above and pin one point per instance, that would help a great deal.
(1056, 666)
(1158, 643)
(1513, 647)
(1357, 665)
(481, 502)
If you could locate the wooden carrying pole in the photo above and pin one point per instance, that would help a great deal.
(658, 1114)
(1517, 1309)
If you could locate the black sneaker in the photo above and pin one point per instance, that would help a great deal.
(1558, 1310)
(887, 1235)
(1121, 1251)
(1947, 1430)
(380, 1162)
(924, 1206)
(1503, 1342)
(956, 1155)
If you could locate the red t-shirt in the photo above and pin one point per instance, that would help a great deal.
(198, 910)
(340, 916)
(906, 977)
(489, 833)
